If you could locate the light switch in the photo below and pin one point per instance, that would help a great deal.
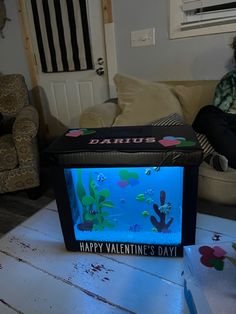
(143, 37)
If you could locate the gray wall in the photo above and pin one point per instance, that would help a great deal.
(201, 57)
(12, 54)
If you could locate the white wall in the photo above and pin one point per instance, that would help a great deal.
(12, 55)
(202, 57)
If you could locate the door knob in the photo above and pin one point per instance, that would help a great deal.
(100, 71)
(100, 61)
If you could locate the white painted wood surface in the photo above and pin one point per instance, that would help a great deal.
(38, 275)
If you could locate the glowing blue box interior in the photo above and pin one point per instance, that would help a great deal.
(108, 204)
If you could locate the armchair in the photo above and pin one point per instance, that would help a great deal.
(19, 159)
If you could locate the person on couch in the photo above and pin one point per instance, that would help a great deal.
(218, 121)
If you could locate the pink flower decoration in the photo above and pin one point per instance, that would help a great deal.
(212, 257)
(218, 251)
(74, 133)
(167, 143)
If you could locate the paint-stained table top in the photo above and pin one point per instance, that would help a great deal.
(38, 276)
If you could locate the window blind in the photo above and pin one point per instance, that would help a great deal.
(206, 13)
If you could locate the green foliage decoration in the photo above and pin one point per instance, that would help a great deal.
(94, 203)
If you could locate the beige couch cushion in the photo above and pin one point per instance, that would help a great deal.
(99, 116)
(143, 101)
(192, 98)
(217, 186)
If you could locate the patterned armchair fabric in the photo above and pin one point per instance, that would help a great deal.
(19, 161)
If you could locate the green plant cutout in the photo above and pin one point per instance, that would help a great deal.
(94, 217)
(231, 259)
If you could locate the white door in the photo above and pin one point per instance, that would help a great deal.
(65, 95)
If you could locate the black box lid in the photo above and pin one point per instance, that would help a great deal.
(169, 145)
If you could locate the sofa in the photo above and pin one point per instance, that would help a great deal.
(141, 102)
(19, 122)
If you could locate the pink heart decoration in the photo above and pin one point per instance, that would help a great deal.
(123, 184)
(218, 251)
(167, 143)
(74, 133)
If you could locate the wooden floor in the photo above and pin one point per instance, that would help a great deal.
(16, 207)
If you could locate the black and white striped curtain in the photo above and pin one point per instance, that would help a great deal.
(62, 32)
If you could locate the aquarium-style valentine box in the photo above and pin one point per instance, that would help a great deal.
(127, 190)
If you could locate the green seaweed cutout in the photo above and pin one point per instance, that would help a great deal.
(93, 204)
(105, 193)
(80, 188)
(81, 191)
(107, 204)
(92, 186)
(88, 200)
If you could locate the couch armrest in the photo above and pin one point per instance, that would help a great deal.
(24, 132)
(98, 116)
(26, 123)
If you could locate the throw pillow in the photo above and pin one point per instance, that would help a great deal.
(205, 144)
(175, 119)
(215, 160)
(193, 98)
(172, 119)
(142, 101)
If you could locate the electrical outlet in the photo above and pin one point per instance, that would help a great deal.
(144, 37)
